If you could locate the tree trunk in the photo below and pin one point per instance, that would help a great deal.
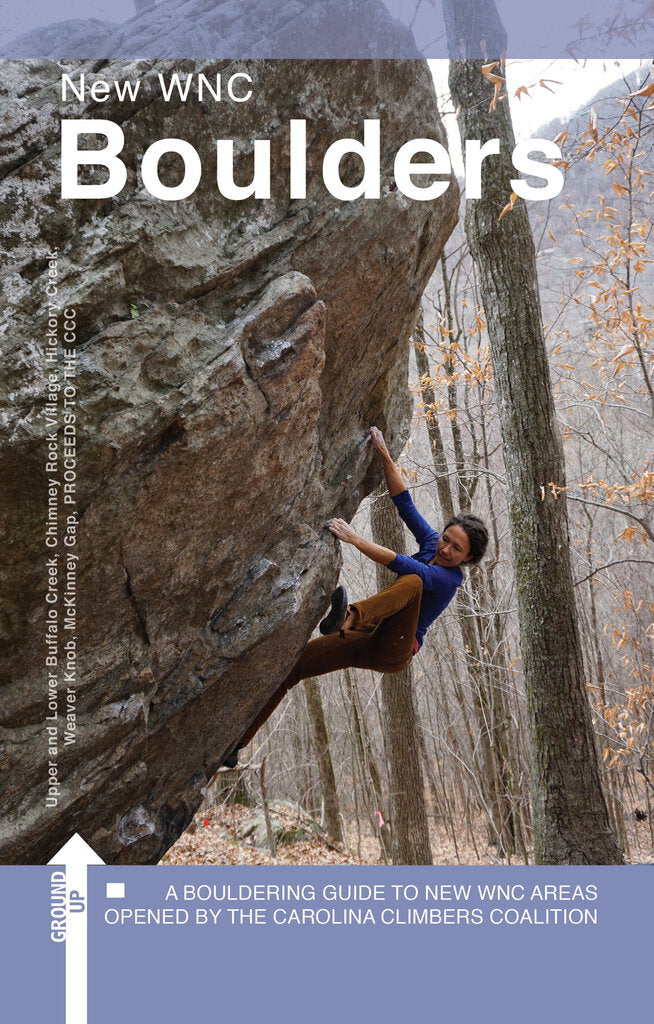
(370, 775)
(433, 427)
(409, 830)
(492, 770)
(301, 776)
(324, 757)
(571, 823)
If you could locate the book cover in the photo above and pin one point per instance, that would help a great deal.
(237, 237)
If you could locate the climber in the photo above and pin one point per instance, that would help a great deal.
(385, 631)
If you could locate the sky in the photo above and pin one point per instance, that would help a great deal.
(573, 85)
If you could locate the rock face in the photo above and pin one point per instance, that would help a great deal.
(231, 356)
(222, 28)
(289, 824)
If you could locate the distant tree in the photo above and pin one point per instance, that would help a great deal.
(324, 758)
(367, 768)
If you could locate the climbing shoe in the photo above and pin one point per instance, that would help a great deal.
(333, 621)
(231, 760)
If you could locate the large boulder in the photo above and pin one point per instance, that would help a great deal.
(231, 356)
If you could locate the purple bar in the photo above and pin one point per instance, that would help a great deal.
(387, 970)
(199, 29)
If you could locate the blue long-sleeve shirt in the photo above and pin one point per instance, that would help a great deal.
(439, 582)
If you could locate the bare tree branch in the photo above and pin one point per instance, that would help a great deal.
(619, 561)
(614, 508)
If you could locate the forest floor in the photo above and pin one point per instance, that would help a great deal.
(213, 838)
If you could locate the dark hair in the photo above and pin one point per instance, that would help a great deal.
(476, 532)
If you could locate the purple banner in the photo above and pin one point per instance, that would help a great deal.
(85, 29)
(465, 943)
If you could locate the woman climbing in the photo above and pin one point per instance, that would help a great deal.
(384, 632)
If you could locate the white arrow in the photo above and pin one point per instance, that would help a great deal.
(76, 855)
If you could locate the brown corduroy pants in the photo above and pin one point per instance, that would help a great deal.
(382, 639)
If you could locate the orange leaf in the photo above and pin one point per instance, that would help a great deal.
(509, 206)
(647, 90)
(543, 82)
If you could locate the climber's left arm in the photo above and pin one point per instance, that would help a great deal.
(376, 552)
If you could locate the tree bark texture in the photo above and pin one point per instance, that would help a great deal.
(409, 829)
(571, 823)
